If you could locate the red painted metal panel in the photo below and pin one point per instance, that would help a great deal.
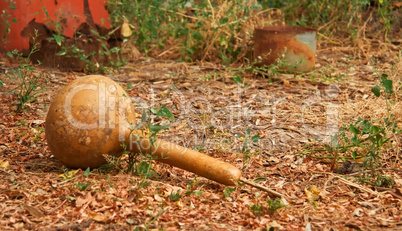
(70, 14)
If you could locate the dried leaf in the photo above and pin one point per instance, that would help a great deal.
(180, 204)
(80, 202)
(41, 191)
(33, 211)
(358, 212)
(18, 225)
(158, 198)
(312, 193)
(14, 193)
(97, 217)
(126, 30)
(4, 164)
(274, 225)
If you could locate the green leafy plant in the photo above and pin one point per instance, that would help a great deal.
(144, 169)
(255, 68)
(325, 74)
(138, 163)
(239, 80)
(94, 51)
(332, 17)
(366, 140)
(82, 186)
(195, 30)
(7, 19)
(175, 196)
(228, 191)
(87, 172)
(200, 148)
(191, 191)
(247, 139)
(274, 205)
(385, 13)
(386, 84)
(256, 209)
(144, 183)
(271, 208)
(29, 84)
(101, 59)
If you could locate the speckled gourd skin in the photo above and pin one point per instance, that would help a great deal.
(79, 135)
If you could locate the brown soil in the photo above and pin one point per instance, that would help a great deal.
(287, 112)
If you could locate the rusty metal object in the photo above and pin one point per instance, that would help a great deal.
(296, 45)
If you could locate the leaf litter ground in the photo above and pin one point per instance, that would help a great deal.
(212, 115)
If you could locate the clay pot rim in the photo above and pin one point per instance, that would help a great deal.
(285, 29)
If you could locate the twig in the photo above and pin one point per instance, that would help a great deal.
(348, 183)
(184, 15)
(290, 129)
(378, 169)
(212, 68)
(166, 51)
(209, 46)
(51, 211)
(329, 39)
(212, 10)
(270, 191)
(357, 186)
(396, 150)
(395, 195)
(5, 172)
(157, 216)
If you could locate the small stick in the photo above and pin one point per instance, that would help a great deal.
(378, 169)
(51, 211)
(270, 191)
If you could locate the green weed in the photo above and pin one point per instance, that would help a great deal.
(175, 196)
(332, 17)
(95, 52)
(255, 68)
(256, 209)
(102, 60)
(385, 13)
(190, 190)
(273, 206)
(187, 30)
(82, 186)
(366, 140)
(137, 163)
(245, 149)
(29, 84)
(7, 20)
(228, 191)
(326, 74)
(87, 172)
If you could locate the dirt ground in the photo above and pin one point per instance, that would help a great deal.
(212, 113)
